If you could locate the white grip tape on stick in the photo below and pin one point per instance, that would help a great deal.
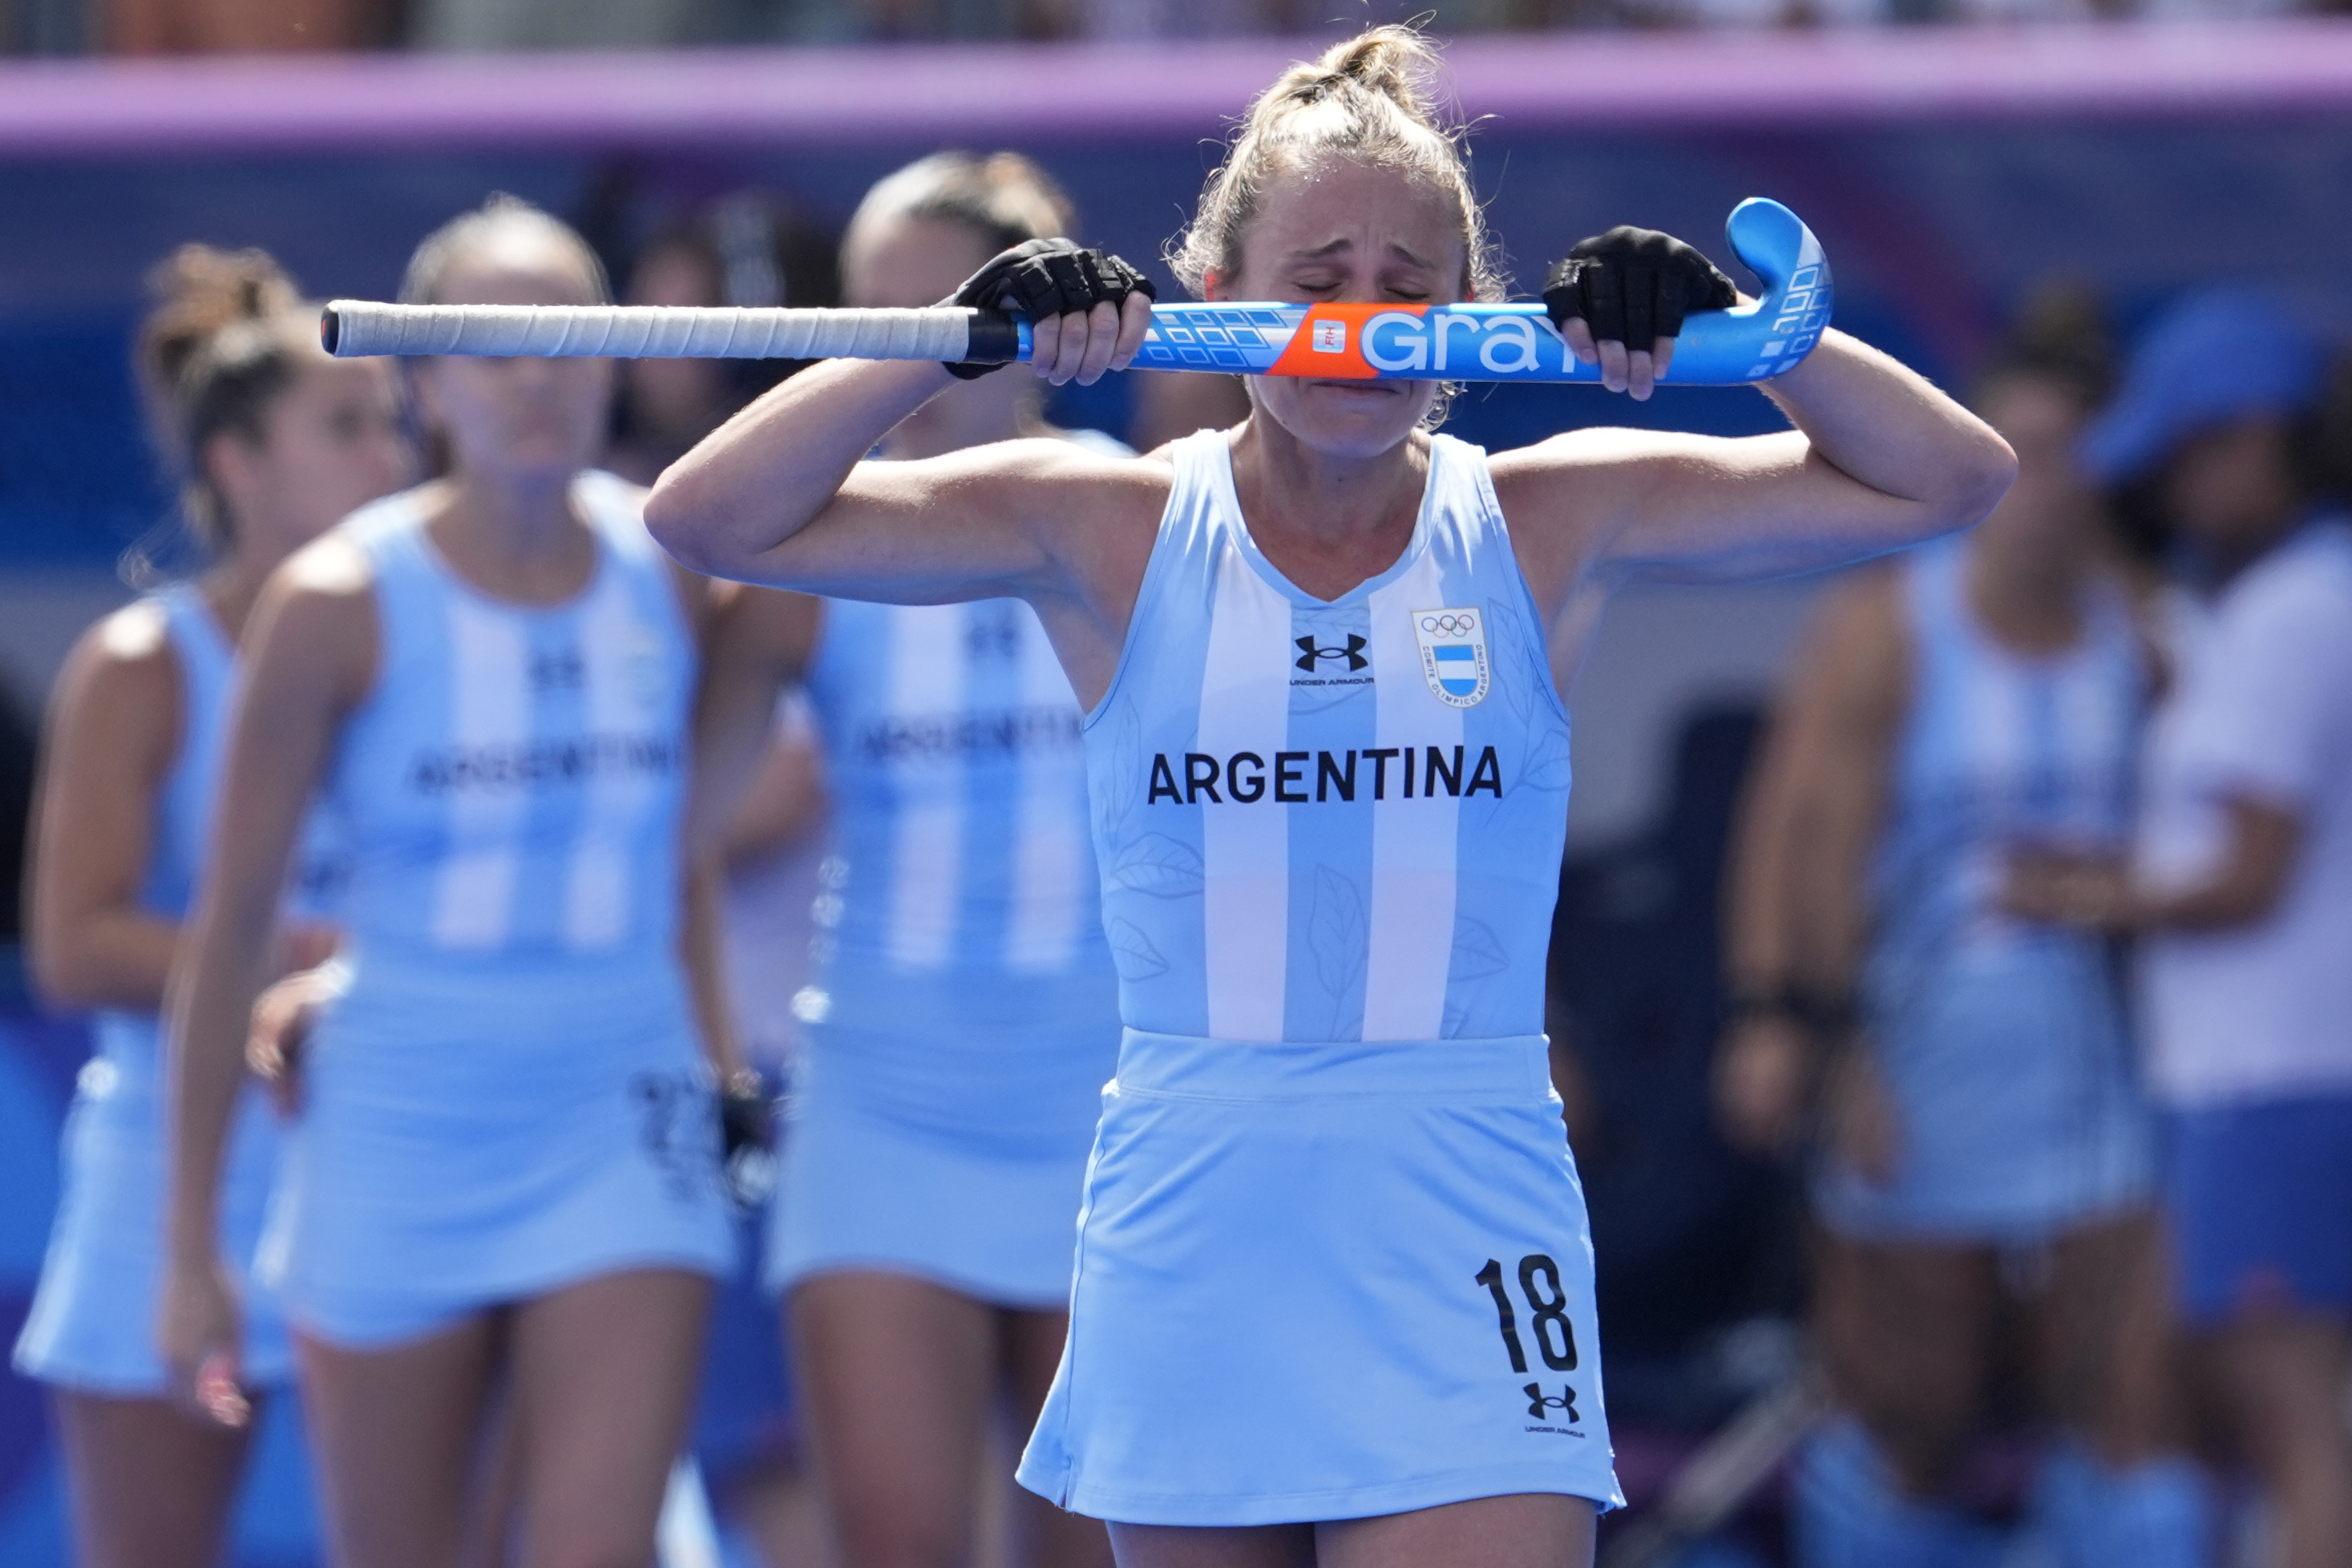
(649, 332)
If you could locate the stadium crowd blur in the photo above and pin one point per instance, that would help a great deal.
(190, 27)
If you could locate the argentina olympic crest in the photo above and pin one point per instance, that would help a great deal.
(1453, 655)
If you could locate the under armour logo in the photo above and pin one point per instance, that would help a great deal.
(1353, 653)
(1538, 1402)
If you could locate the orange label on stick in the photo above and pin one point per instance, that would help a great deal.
(1330, 341)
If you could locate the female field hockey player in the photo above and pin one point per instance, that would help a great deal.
(506, 1168)
(965, 1014)
(276, 441)
(1978, 697)
(2240, 881)
(1333, 1298)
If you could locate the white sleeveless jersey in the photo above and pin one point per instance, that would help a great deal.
(1342, 820)
(963, 873)
(511, 788)
(1999, 751)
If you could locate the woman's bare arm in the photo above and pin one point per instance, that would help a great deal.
(1860, 671)
(756, 641)
(113, 732)
(761, 641)
(1878, 459)
(780, 493)
(1796, 893)
(783, 805)
(2262, 841)
(311, 659)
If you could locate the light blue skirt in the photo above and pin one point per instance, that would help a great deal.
(955, 1154)
(470, 1142)
(92, 1322)
(861, 1191)
(1320, 1281)
(2018, 1114)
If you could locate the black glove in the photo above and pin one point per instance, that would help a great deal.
(1046, 277)
(747, 1141)
(1633, 286)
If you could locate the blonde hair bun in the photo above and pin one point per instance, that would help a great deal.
(1369, 99)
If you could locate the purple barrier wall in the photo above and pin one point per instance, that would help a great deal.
(833, 97)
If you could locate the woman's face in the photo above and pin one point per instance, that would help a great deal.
(904, 262)
(2042, 418)
(2232, 487)
(517, 421)
(1335, 230)
(328, 443)
(676, 399)
(899, 261)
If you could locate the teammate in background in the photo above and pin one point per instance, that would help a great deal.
(965, 1012)
(1334, 1284)
(1988, 1150)
(275, 441)
(743, 251)
(506, 1164)
(2240, 882)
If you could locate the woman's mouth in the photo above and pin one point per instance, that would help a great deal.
(1361, 388)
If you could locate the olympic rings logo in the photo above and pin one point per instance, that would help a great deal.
(1449, 624)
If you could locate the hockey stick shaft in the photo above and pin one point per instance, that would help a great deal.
(1387, 342)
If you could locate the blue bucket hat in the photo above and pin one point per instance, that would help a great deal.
(2219, 355)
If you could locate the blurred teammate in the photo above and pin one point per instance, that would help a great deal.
(964, 1016)
(1988, 1144)
(506, 1165)
(1333, 1268)
(2241, 884)
(275, 442)
(742, 251)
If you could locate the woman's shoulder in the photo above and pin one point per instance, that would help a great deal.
(124, 675)
(126, 648)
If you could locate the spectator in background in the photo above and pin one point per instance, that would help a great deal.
(1980, 695)
(276, 442)
(2240, 885)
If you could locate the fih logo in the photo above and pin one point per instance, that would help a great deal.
(1538, 1402)
(1309, 653)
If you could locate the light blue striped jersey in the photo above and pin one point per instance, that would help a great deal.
(511, 788)
(1338, 820)
(2000, 751)
(182, 828)
(962, 890)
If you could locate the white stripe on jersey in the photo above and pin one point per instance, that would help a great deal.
(596, 892)
(1414, 841)
(489, 706)
(927, 675)
(1049, 839)
(1993, 714)
(1246, 850)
